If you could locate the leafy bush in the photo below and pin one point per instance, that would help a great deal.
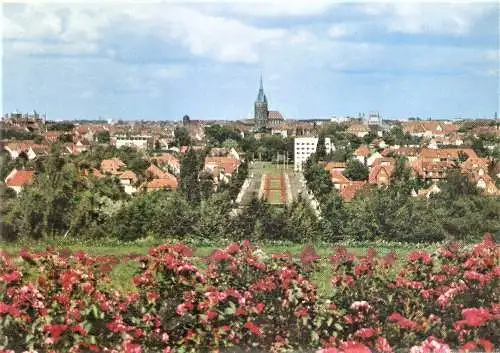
(243, 298)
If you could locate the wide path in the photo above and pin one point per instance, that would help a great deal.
(257, 170)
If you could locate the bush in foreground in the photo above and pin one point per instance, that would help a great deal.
(241, 299)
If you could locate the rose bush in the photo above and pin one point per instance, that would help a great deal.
(58, 301)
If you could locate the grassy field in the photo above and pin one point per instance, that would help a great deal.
(122, 273)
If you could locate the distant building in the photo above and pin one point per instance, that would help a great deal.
(139, 141)
(304, 147)
(261, 112)
(374, 119)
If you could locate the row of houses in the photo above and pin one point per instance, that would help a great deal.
(425, 163)
(162, 174)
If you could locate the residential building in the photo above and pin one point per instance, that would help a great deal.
(141, 142)
(128, 179)
(304, 147)
(17, 180)
(112, 166)
(360, 130)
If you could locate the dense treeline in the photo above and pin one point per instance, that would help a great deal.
(391, 213)
(62, 202)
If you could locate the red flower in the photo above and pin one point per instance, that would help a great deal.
(9, 309)
(420, 256)
(365, 333)
(253, 328)
(211, 315)
(259, 307)
(11, 277)
(301, 312)
(55, 330)
(354, 347)
(383, 346)
(132, 348)
(233, 248)
(152, 296)
(476, 317)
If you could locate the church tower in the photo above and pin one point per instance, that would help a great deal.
(261, 113)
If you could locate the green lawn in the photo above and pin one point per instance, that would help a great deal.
(122, 273)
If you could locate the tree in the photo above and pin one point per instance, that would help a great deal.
(321, 148)
(214, 209)
(181, 136)
(189, 175)
(457, 185)
(355, 170)
(103, 136)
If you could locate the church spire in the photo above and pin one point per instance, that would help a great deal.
(261, 97)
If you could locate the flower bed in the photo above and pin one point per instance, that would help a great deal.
(274, 188)
(56, 301)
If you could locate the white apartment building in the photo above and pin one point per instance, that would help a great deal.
(139, 142)
(304, 147)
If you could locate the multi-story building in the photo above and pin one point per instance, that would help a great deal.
(139, 142)
(304, 147)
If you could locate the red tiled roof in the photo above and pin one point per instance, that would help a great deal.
(451, 153)
(378, 170)
(229, 164)
(403, 151)
(335, 165)
(358, 128)
(164, 183)
(275, 115)
(167, 158)
(128, 174)
(155, 172)
(362, 151)
(338, 178)
(21, 178)
(111, 165)
(350, 190)
(95, 172)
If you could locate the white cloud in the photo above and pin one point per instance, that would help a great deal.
(337, 31)
(279, 8)
(167, 73)
(51, 48)
(216, 37)
(429, 18)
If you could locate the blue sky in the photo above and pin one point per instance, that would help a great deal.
(318, 59)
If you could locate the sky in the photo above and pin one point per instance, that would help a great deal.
(162, 60)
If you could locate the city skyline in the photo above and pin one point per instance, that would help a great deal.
(163, 60)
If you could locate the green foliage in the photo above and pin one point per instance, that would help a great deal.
(218, 134)
(181, 136)
(62, 126)
(14, 134)
(189, 175)
(162, 213)
(317, 179)
(355, 170)
(103, 136)
(321, 148)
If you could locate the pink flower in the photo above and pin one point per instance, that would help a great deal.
(383, 346)
(476, 317)
(132, 348)
(360, 305)
(301, 312)
(211, 315)
(365, 333)
(354, 347)
(259, 307)
(10, 277)
(431, 345)
(253, 328)
(328, 350)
